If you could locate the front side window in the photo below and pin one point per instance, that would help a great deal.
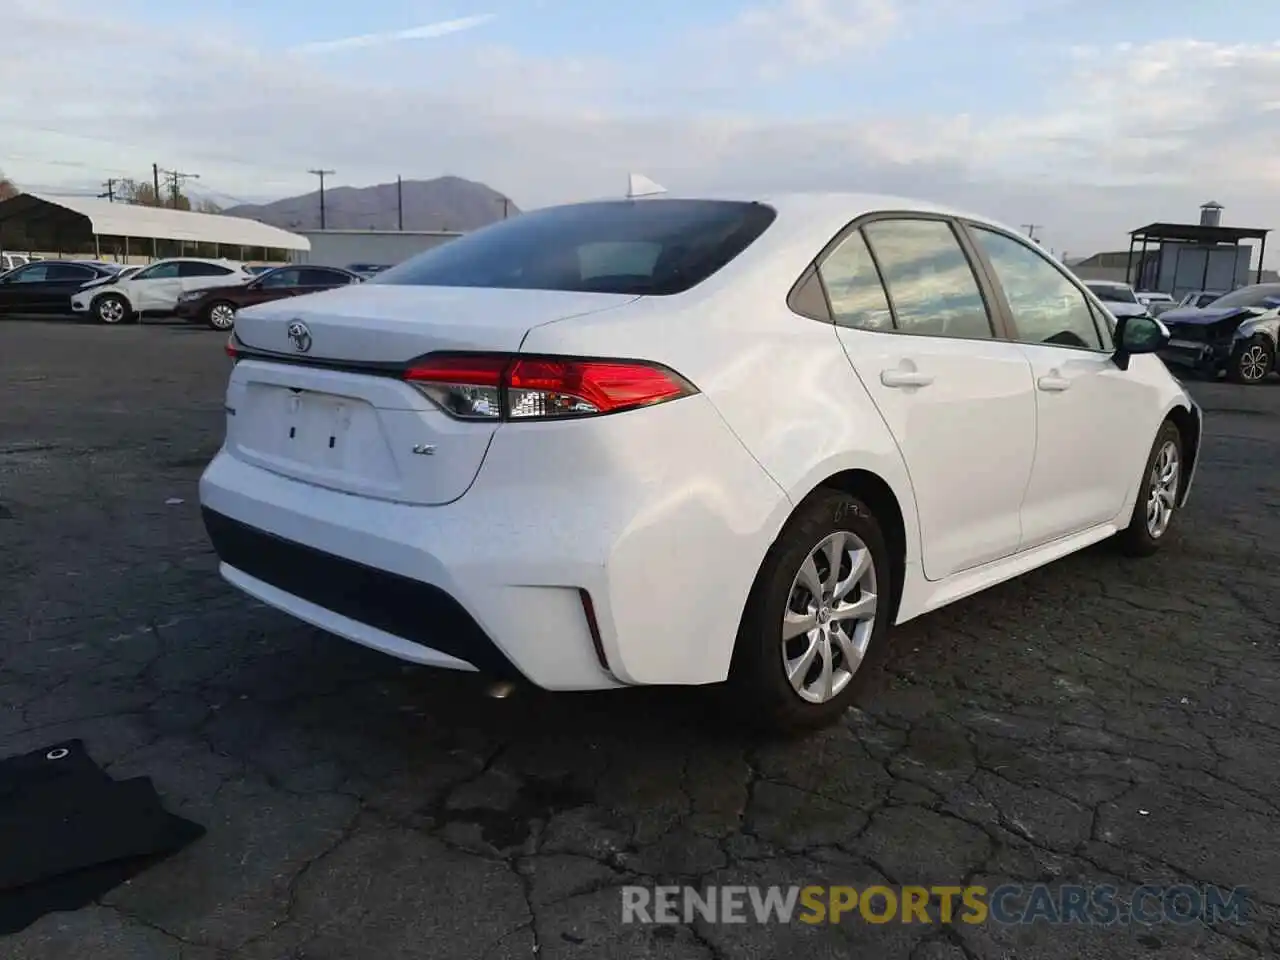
(655, 247)
(1046, 306)
(37, 273)
(931, 285)
(161, 271)
(853, 286)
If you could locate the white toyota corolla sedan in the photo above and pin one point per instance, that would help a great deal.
(679, 441)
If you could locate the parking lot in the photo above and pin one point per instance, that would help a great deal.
(1099, 720)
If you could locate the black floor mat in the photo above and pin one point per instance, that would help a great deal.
(69, 833)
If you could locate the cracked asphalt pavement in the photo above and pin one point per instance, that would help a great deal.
(1099, 720)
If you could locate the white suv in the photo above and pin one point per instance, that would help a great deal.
(154, 289)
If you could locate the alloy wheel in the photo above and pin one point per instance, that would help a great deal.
(1163, 493)
(1253, 363)
(110, 310)
(222, 316)
(830, 615)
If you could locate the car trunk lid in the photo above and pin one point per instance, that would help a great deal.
(337, 415)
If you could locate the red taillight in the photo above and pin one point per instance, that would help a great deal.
(494, 387)
(232, 352)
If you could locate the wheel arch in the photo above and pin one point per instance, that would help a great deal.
(120, 294)
(1190, 430)
(885, 504)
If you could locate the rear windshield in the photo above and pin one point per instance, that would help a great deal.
(654, 247)
(1112, 294)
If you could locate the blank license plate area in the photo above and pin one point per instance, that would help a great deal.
(317, 433)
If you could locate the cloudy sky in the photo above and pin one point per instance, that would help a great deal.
(1087, 117)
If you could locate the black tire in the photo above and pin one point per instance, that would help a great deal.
(112, 309)
(1139, 538)
(1252, 360)
(212, 312)
(758, 684)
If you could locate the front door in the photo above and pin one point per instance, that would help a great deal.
(1084, 465)
(156, 288)
(957, 400)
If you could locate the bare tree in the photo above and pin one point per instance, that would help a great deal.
(7, 187)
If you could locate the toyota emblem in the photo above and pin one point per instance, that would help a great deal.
(300, 336)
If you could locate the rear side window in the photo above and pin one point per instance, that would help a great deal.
(193, 268)
(67, 271)
(319, 277)
(853, 286)
(651, 247)
(931, 285)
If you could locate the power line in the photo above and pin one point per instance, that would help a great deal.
(322, 174)
(175, 179)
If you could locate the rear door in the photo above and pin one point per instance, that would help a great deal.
(957, 398)
(61, 281)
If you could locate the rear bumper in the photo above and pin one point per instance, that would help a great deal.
(658, 518)
(404, 617)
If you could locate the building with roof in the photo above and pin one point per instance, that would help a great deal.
(1177, 258)
(84, 226)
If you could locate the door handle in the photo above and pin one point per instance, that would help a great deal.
(905, 378)
(1053, 384)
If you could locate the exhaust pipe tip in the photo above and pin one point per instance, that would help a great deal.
(500, 690)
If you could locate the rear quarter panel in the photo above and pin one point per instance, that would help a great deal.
(781, 382)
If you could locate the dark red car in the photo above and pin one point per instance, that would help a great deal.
(217, 306)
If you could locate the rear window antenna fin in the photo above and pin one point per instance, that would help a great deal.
(638, 185)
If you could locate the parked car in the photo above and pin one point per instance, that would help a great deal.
(1236, 334)
(368, 270)
(1156, 302)
(1201, 298)
(257, 269)
(47, 285)
(154, 289)
(217, 306)
(677, 441)
(1118, 298)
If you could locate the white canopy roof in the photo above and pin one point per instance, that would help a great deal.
(161, 223)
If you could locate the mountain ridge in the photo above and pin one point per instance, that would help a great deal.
(442, 203)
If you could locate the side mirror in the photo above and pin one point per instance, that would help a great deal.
(1137, 335)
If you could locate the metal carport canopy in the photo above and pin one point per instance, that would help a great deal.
(87, 216)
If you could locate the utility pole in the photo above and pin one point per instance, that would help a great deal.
(399, 203)
(175, 179)
(506, 206)
(322, 174)
(155, 182)
(109, 191)
(1031, 229)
